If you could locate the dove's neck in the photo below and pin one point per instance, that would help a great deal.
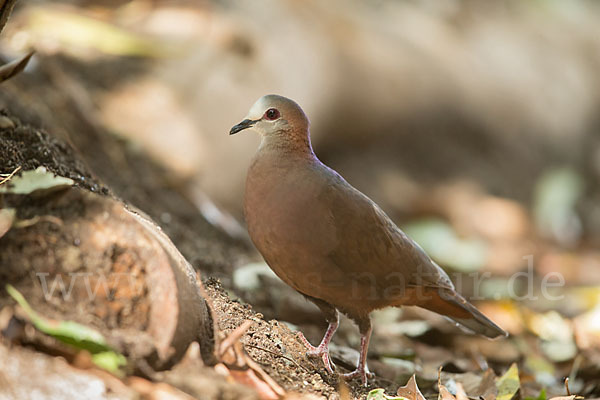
(288, 143)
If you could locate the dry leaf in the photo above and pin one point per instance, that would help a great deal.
(460, 392)
(444, 393)
(487, 388)
(411, 390)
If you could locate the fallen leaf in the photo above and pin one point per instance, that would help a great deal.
(32, 180)
(460, 392)
(443, 392)
(508, 384)
(541, 396)
(74, 334)
(470, 381)
(379, 394)
(487, 388)
(410, 390)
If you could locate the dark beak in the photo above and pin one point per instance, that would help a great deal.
(247, 123)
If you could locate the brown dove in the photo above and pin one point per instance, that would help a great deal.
(332, 243)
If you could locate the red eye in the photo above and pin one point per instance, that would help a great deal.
(271, 114)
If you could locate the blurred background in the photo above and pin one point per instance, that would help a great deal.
(475, 126)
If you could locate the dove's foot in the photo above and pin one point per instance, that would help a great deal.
(360, 371)
(320, 351)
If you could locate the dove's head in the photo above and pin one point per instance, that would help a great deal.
(274, 115)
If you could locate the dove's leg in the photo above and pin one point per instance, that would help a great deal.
(362, 371)
(322, 350)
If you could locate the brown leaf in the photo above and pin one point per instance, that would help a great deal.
(444, 393)
(11, 69)
(487, 388)
(460, 392)
(411, 390)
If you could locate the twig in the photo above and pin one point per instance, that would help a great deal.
(9, 177)
(265, 377)
(234, 336)
(233, 346)
(277, 354)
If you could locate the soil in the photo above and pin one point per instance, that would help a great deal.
(28, 148)
(279, 351)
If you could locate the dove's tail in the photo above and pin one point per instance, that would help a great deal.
(450, 304)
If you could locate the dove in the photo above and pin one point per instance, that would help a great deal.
(332, 243)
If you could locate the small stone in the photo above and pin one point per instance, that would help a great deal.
(6, 123)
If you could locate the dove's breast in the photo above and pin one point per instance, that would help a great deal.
(288, 223)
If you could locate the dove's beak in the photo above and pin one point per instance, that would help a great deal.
(245, 124)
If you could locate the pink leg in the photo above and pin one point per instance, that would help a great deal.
(323, 349)
(362, 370)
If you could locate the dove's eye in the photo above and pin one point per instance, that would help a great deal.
(272, 114)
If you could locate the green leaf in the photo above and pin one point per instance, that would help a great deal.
(110, 361)
(508, 384)
(74, 334)
(541, 396)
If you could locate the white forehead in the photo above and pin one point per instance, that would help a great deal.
(271, 101)
(258, 109)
